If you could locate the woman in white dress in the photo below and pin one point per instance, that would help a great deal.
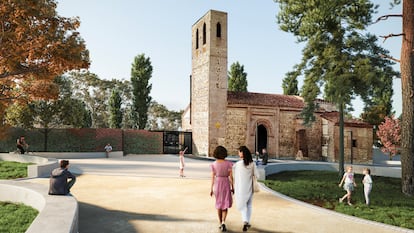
(244, 170)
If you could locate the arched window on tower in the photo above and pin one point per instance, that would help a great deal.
(218, 31)
(204, 33)
(197, 39)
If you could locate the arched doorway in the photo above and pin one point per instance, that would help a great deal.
(261, 140)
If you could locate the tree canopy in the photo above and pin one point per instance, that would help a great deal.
(337, 57)
(36, 46)
(63, 112)
(160, 118)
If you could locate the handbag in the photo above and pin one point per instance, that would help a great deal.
(255, 186)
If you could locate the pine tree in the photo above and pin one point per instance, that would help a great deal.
(290, 84)
(335, 56)
(116, 116)
(141, 73)
(237, 78)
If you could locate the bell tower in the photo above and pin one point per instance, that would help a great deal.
(209, 82)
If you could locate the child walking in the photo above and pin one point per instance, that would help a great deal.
(349, 184)
(181, 153)
(222, 184)
(367, 181)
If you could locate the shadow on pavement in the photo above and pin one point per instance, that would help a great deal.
(257, 229)
(253, 229)
(94, 219)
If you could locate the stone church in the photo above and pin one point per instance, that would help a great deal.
(216, 116)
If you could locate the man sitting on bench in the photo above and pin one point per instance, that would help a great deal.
(21, 145)
(59, 184)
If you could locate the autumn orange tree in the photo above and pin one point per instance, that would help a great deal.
(36, 45)
(389, 133)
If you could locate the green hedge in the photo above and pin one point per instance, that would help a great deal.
(143, 142)
(85, 140)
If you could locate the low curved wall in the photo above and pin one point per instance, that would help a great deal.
(42, 167)
(272, 168)
(57, 214)
(79, 155)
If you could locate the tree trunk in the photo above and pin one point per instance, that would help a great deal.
(407, 78)
(341, 139)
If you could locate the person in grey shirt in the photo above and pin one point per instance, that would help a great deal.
(59, 184)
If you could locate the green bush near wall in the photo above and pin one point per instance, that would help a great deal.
(33, 137)
(143, 142)
(85, 140)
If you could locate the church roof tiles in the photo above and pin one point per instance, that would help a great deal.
(260, 99)
(334, 117)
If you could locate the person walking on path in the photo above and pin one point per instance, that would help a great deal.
(182, 164)
(59, 184)
(244, 170)
(349, 184)
(367, 181)
(222, 184)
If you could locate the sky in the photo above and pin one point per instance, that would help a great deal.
(117, 31)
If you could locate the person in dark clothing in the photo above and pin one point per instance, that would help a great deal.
(265, 156)
(21, 144)
(59, 184)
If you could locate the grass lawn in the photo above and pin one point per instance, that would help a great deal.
(388, 204)
(13, 170)
(16, 218)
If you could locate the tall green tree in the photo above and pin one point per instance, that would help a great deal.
(115, 119)
(141, 73)
(237, 78)
(335, 57)
(290, 84)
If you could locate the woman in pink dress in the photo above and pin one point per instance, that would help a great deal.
(222, 184)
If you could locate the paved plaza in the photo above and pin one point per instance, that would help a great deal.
(143, 193)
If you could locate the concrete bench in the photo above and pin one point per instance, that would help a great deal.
(57, 214)
(273, 168)
(42, 167)
(79, 155)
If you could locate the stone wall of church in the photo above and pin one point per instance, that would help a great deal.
(357, 149)
(185, 120)
(364, 140)
(314, 140)
(200, 107)
(289, 142)
(236, 128)
(287, 134)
